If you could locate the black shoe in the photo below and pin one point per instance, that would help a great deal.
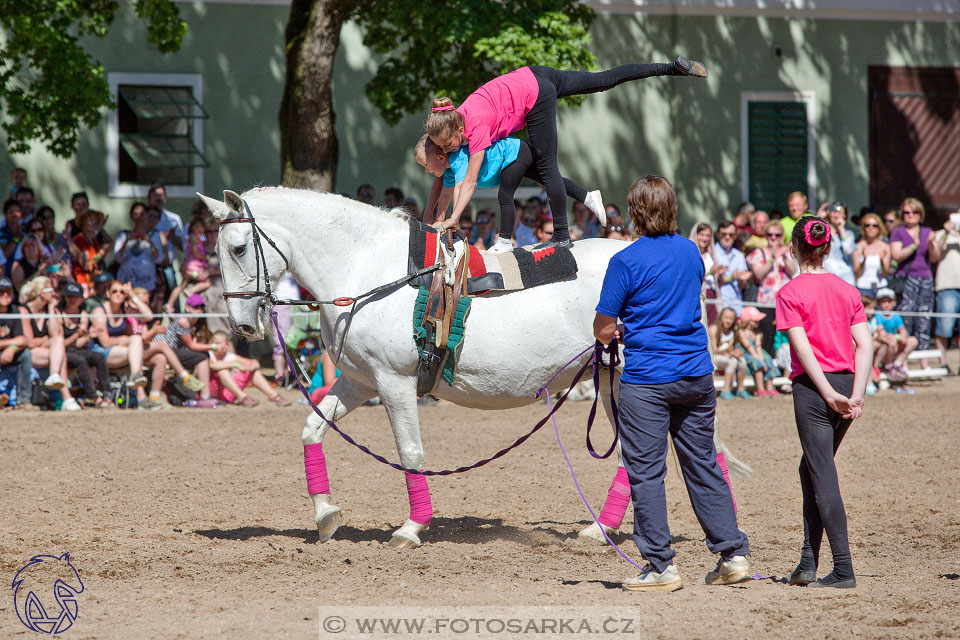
(831, 580)
(803, 577)
(692, 68)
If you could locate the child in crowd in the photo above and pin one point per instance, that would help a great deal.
(727, 355)
(893, 345)
(831, 354)
(18, 178)
(505, 164)
(759, 363)
(196, 267)
(234, 373)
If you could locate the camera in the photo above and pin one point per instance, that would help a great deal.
(835, 206)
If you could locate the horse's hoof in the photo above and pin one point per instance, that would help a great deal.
(328, 522)
(594, 535)
(404, 541)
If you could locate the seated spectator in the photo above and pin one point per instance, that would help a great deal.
(757, 239)
(702, 235)
(839, 261)
(11, 233)
(135, 251)
(234, 373)
(947, 285)
(112, 336)
(44, 336)
(32, 262)
(728, 355)
(892, 344)
(189, 338)
(484, 230)
(616, 229)
(871, 258)
(15, 362)
(759, 363)
(76, 337)
(86, 248)
(99, 295)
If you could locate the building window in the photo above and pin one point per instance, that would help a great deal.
(777, 148)
(155, 135)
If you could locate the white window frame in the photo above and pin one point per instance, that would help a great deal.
(809, 99)
(117, 189)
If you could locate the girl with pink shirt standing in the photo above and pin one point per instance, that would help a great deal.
(527, 98)
(824, 317)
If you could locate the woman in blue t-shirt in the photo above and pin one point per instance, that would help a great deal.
(653, 287)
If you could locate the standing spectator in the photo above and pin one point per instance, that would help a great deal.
(891, 220)
(27, 201)
(948, 283)
(79, 203)
(743, 221)
(13, 346)
(525, 233)
(392, 197)
(757, 240)
(702, 234)
(871, 260)
(842, 243)
(44, 336)
(136, 252)
(797, 204)
(171, 226)
(18, 179)
(915, 252)
(12, 233)
(86, 249)
(366, 194)
(772, 268)
(653, 287)
(736, 274)
(75, 339)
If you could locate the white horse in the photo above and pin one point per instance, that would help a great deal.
(340, 247)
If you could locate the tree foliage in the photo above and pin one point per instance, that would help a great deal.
(50, 87)
(451, 48)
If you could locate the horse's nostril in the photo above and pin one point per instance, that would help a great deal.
(245, 329)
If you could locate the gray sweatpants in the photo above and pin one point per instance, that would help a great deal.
(684, 409)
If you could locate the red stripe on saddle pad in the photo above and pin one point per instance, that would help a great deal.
(430, 252)
(540, 254)
(477, 265)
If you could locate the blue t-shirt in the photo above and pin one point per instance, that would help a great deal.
(653, 286)
(496, 157)
(891, 323)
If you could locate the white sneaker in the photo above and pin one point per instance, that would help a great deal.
(650, 580)
(54, 382)
(499, 248)
(732, 571)
(595, 203)
(70, 404)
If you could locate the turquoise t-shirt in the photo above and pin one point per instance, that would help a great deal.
(496, 157)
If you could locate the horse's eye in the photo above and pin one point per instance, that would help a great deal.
(239, 250)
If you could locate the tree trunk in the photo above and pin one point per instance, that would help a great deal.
(308, 140)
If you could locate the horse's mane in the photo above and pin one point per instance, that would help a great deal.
(331, 202)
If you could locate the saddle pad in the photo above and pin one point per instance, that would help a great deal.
(510, 271)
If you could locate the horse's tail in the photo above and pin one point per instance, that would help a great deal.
(737, 467)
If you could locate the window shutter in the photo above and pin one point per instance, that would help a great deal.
(777, 137)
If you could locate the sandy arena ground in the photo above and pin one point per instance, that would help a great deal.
(196, 524)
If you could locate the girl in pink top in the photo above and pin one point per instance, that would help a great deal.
(527, 98)
(824, 317)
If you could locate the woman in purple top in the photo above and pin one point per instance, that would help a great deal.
(915, 253)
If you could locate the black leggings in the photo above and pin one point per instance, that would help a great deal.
(510, 178)
(82, 360)
(821, 429)
(542, 120)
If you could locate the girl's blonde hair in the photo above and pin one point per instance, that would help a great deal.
(33, 287)
(426, 148)
(443, 121)
(916, 204)
(139, 291)
(876, 218)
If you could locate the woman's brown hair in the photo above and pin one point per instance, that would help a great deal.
(811, 240)
(653, 206)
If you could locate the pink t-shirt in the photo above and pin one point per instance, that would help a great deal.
(826, 307)
(498, 108)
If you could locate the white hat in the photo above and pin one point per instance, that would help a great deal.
(886, 292)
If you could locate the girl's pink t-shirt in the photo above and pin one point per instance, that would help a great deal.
(826, 307)
(498, 108)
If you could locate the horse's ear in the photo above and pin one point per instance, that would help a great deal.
(217, 208)
(233, 201)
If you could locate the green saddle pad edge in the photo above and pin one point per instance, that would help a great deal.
(454, 340)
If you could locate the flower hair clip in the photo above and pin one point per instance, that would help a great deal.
(444, 108)
(813, 242)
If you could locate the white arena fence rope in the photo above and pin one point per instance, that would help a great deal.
(746, 303)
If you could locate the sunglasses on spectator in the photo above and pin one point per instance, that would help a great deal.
(614, 227)
(727, 234)
(483, 220)
(774, 235)
(47, 290)
(466, 227)
(116, 290)
(906, 212)
(871, 224)
(6, 292)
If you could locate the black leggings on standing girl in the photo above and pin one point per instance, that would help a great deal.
(542, 118)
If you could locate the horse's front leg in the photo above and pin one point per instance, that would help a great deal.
(343, 397)
(399, 397)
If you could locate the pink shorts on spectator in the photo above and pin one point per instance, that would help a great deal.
(218, 391)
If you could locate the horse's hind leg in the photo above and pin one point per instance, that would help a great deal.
(343, 397)
(399, 397)
(618, 496)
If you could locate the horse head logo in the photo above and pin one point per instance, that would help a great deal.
(56, 611)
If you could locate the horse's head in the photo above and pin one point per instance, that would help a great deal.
(242, 265)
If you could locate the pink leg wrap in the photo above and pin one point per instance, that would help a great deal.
(421, 509)
(618, 497)
(315, 466)
(722, 461)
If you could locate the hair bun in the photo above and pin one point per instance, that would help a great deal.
(818, 230)
(441, 102)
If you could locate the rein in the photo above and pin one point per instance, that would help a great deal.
(596, 362)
